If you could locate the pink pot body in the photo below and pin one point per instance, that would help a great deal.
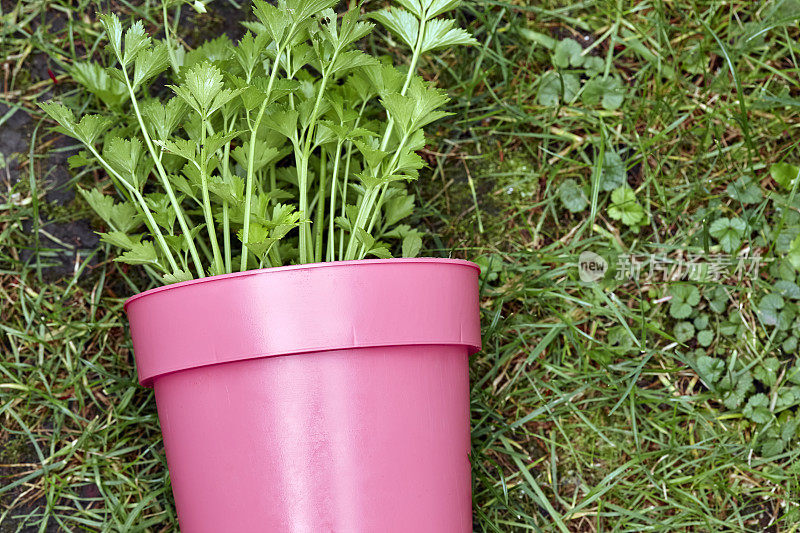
(331, 397)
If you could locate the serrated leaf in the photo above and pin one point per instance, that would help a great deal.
(91, 128)
(113, 29)
(433, 8)
(757, 409)
(136, 41)
(176, 277)
(284, 121)
(141, 253)
(400, 22)
(121, 216)
(350, 60)
(125, 156)
(149, 63)
(398, 208)
(625, 208)
(96, 80)
(412, 244)
(120, 239)
(163, 119)
(439, 33)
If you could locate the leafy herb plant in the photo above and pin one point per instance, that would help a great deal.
(291, 146)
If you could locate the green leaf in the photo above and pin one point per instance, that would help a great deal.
(163, 119)
(793, 255)
(141, 253)
(91, 128)
(557, 87)
(185, 148)
(176, 277)
(62, 115)
(412, 244)
(400, 22)
(572, 196)
(768, 308)
(439, 33)
(398, 208)
(613, 174)
(121, 216)
(124, 156)
(684, 298)
(136, 40)
(284, 121)
(201, 86)
(113, 29)
(734, 398)
(728, 232)
(609, 92)
(120, 239)
(149, 63)
(745, 191)
(683, 331)
(705, 338)
(785, 174)
(625, 208)
(567, 53)
(434, 8)
(787, 289)
(757, 409)
(710, 369)
(767, 371)
(772, 447)
(352, 59)
(96, 80)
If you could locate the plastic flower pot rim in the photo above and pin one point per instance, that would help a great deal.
(246, 273)
(304, 309)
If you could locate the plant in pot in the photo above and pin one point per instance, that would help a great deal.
(305, 381)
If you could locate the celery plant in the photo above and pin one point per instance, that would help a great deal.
(294, 139)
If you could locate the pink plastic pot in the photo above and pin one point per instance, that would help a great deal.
(330, 397)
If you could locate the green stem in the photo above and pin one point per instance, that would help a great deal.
(248, 196)
(150, 221)
(346, 178)
(331, 234)
(320, 210)
(165, 181)
(173, 59)
(365, 209)
(207, 214)
(301, 163)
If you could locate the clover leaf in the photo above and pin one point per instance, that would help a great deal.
(729, 232)
(684, 298)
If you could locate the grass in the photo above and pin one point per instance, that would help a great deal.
(588, 415)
